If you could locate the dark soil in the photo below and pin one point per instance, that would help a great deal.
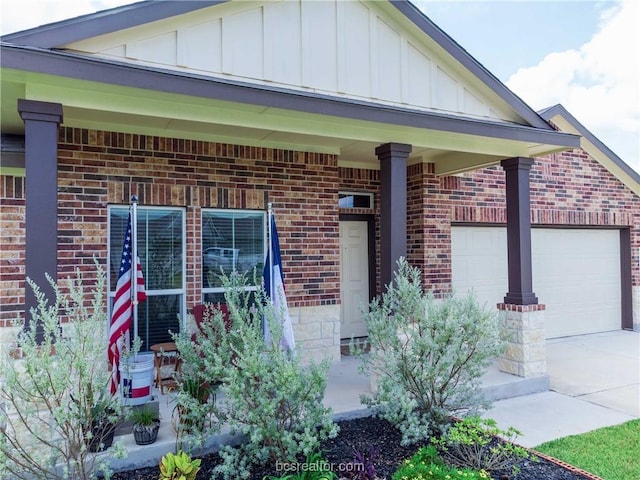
(365, 435)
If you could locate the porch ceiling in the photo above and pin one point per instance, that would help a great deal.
(211, 110)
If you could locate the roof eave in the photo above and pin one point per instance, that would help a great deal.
(69, 65)
(56, 34)
(559, 110)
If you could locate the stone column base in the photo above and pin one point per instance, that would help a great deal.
(316, 330)
(526, 349)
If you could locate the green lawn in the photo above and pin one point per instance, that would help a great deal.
(612, 453)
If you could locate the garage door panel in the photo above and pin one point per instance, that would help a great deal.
(480, 263)
(576, 274)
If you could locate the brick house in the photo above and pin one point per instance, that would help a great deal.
(370, 130)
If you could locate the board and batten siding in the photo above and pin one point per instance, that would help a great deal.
(352, 49)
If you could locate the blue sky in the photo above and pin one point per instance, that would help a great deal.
(583, 54)
(507, 35)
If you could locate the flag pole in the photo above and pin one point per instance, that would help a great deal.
(269, 215)
(134, 266)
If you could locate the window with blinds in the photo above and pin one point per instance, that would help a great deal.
(161, 249)
(232, 240)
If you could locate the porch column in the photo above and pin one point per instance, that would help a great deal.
(524, 318)
(393, 210)
(519, 231)
(41, 120)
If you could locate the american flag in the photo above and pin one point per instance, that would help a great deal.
(122, 311)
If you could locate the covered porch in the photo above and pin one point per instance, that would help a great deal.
(406, 146)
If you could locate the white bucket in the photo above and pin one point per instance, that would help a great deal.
(137, 380)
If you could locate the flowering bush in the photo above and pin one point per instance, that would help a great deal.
(266, 394)
(429, 355)
(55, 387)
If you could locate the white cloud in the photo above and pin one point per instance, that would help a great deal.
(16, 15)
(598, 84)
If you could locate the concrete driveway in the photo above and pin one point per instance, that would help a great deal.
(602, 368)
(595, 382)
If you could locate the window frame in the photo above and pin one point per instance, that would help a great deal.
(351, 193)
(219, 289)
(180, 292)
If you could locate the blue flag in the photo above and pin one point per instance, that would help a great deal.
(274, 286)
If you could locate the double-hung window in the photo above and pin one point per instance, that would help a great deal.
(161, 249)
(232, 240)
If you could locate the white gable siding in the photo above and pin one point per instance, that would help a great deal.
(320, 45)
(190, 48)
(349, 48)
(242, 44)
(387, 83)
(419, 70)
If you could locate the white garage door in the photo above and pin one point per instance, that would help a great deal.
(576, 274)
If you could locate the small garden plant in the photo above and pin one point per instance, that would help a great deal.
(428, 355)
(476, 442)
(363, 466)
(178, 466)
(426, 464)
(268, 395)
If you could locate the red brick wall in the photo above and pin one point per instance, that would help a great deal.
(567, 188)
(12, 238)
(429, 227)
(99, 168)
(367, 181)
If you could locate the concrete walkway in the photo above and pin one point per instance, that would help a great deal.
(594, 382)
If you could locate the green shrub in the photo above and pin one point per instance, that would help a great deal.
(425, 465)
(267, 395)
(475, 442)
(55, 388)
(428, 354)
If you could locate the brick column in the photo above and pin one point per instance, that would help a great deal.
(523, 318)
(41, 121)
(393, 210)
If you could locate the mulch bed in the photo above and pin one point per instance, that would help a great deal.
(369, 433)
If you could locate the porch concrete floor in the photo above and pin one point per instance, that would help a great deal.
(594, 381)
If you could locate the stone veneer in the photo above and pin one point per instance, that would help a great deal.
(526, 347)
(316, 331)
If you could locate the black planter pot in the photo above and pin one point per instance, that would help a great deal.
(146, 434)
(101, 436)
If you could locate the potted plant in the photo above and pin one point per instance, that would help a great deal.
(192, 392)
(99, 422)
(145, 425)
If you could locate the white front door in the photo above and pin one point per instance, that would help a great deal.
(354, 272)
